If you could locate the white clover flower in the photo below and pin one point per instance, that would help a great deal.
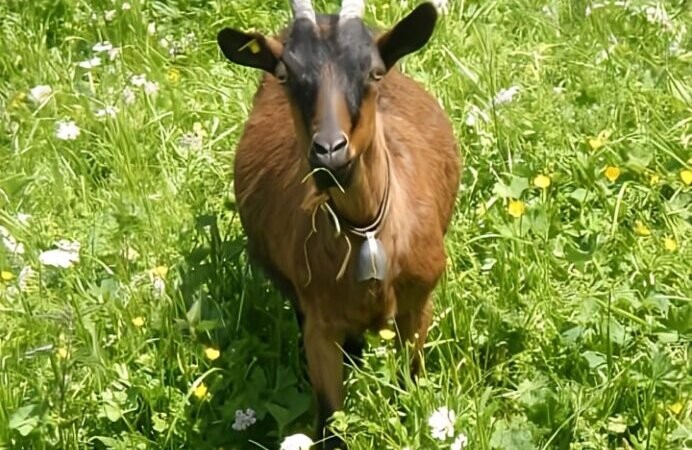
(151, 87)
(244, 419)
(40, 93)
(138, 80)
(126, 6)
(67, 130)
(505, 95)
(296, 442)
(163, 42)
(64, 256)
(104, 46)
(110, 111)
(90, 63)
(10, 242)
(109, 15)
(128, 96)
(460, 442)
(441, 423)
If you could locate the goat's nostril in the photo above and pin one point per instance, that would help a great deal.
(320, 149)
(339, 145)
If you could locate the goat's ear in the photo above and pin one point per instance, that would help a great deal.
(409, 35)
(250, 49)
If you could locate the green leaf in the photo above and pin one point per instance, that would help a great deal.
(594, 359)
(22, 420)
(112, 411)
(579, 195)
(194, 314)
(517, 186)
(512, 435)
(617, 425)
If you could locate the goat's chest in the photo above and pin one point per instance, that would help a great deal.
(335, 294)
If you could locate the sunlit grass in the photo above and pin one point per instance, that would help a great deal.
(129, 315)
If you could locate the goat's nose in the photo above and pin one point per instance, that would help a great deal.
(330, 149)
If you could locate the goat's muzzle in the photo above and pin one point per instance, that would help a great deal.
(330, 151)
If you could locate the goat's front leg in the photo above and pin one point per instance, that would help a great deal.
(325, 366)
(413, 328)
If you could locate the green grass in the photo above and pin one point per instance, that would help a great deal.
(567, 327)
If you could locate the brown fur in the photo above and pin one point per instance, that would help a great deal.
(276, 211)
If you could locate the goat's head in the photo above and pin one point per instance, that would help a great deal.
(330, 67)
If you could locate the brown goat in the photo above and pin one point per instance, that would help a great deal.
(346, 177)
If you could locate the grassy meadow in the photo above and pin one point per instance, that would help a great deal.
(129, 318)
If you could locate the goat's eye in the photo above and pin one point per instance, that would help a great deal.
(281, 73)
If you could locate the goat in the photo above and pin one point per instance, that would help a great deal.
(346, 176)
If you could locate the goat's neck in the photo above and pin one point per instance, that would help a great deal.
(361, 199)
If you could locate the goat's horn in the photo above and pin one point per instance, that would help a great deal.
(302, 9)
(352, 9)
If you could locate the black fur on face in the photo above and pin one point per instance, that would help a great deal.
(344, 52)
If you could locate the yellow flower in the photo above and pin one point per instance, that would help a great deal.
(612, 173)
(387, 334)
(212, 353)
(654, 179)
(62, 353)
(6, 276)
(138, 321)
(600, 140)
(541, 181)
(160, 271)
(686, 176)
(641, 229)
(516, 208)
(173, 76)
(17, 100)
(670, 244)
(676, 408)
(201, 391)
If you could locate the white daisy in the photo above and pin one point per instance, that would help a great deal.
(10, 242)
(40, 93)
(460, 442)
(104, 46)
(138, 80)
(109, 15)
(110, 111)
(90, 63)
(296, 442)
(506, 95)
(64, 256)
(151, 87)
(128, 95)
(67, 130)
(441, 423)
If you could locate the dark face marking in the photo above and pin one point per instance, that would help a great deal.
(337, 56)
